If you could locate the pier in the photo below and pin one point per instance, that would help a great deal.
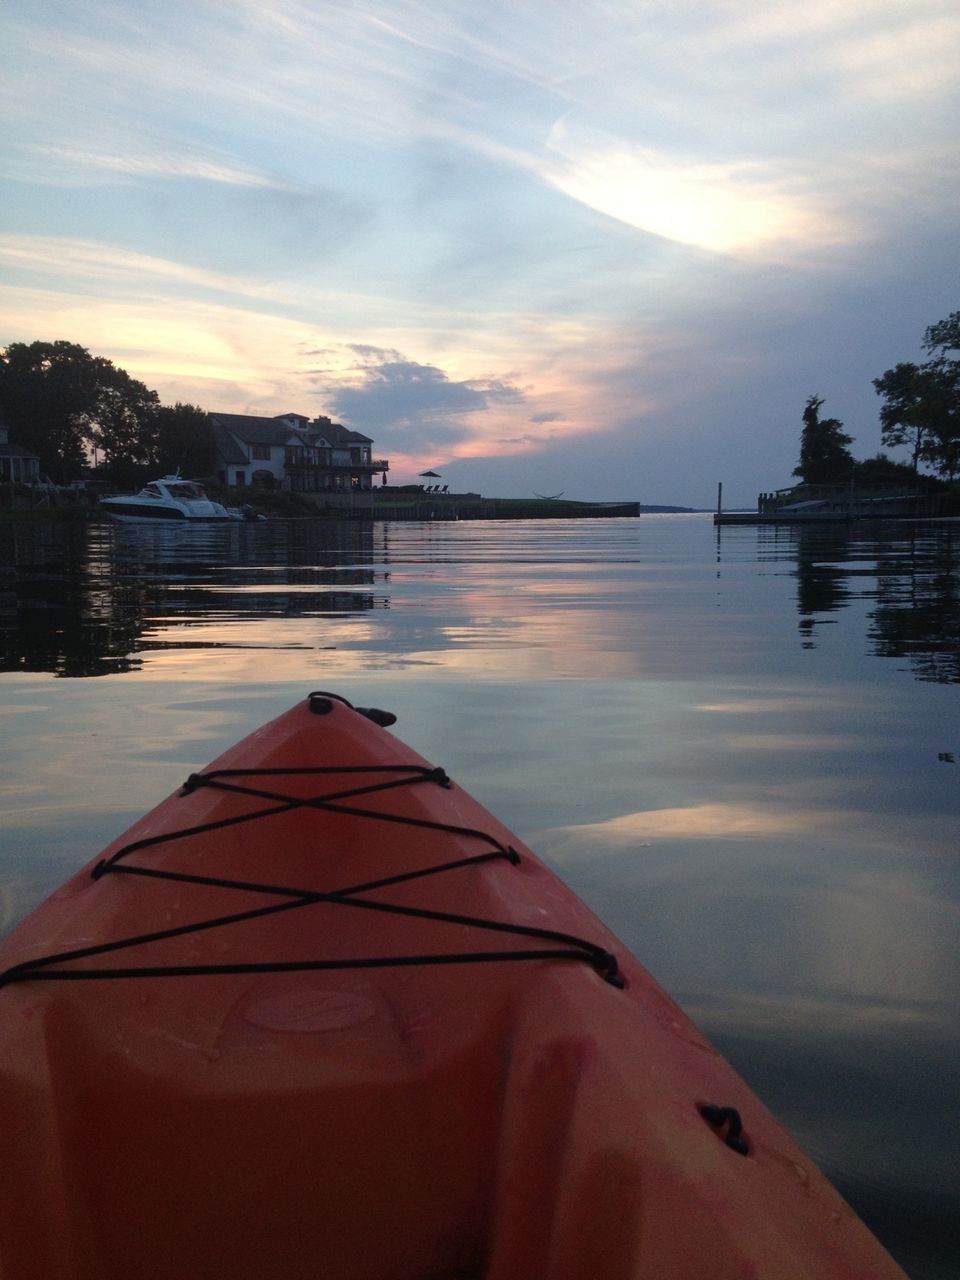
(382, 504)
(810, 504)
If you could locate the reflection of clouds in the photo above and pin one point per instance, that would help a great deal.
(767, 705)
(300, 633)
(299, 667)
(16, 797)
(846, 742)
(532, 647)
(761, 1012)
(773, 896)
(691, 822)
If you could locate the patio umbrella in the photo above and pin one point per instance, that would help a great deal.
(435, 475)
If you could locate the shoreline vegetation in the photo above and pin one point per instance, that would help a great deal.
(920, 411)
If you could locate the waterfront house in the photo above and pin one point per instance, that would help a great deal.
(17, 465)
(293, 452)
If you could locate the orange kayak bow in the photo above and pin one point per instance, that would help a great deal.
(320, 1015)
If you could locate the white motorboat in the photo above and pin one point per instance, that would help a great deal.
(168, 499)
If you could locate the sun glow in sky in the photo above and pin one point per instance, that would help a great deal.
(609, 248)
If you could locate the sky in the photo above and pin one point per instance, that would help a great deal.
(603, 247)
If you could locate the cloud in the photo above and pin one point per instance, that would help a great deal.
(64, 257)
(371, 355)
(736, 206)
(404, 395)
(73, 165)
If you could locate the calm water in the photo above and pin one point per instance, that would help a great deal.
(743, 751)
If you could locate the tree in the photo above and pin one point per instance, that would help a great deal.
(62, 402)
(882, 469)
(824, 456)
(921, 403)
(944, 335)
(48, 393)
(905, 416)
(941, 446)
(942, 449)
(123, 422)
(184, 440)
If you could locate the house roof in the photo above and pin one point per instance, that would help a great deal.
(16, 451)
(227, 446)
(336, 433)
(252, 429)
(258, 430)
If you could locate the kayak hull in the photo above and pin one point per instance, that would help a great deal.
(472, 1094)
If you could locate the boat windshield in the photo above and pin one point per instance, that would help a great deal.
(185, 489)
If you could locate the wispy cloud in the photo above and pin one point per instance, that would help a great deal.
(73, 164)
(65, 258)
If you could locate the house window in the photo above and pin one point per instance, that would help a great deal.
(260, 452)
(240, 479)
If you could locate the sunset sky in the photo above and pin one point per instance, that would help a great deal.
(607, 247)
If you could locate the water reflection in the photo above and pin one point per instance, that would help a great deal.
(85, 600)
(917, 615)
(822, 586)
(533, 599)
(909, 573)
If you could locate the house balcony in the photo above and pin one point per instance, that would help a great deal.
(300, 465)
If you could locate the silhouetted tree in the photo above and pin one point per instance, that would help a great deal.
(881, 469)
(124, 424)
(824, 456)
(61, 401)
(943, 336)
(905, 412)
(942, 449)
(183, 440)
(49, 393)
(921, 403)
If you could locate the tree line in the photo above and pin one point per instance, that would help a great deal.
(68, 407)
(920, 408)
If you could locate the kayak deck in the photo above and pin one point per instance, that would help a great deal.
(319, 1013)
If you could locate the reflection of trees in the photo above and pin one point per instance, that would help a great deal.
(914, 576)
(918, 605)
(821, 586)
(81, 600)
(57, 614)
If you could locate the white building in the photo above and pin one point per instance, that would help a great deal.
(292, 452)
